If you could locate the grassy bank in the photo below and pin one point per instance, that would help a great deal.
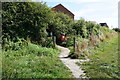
(33, 61)
(103, 60)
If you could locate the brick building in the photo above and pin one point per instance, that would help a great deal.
(61, 8)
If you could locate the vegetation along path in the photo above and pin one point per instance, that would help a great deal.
(71, 63)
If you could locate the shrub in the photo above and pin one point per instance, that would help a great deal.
(80, 28)
(61, 23)
(69, 41)
(116, 29)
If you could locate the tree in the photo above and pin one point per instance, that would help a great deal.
(116, 29)
(61, 23)
(26, 20)
(80, 28)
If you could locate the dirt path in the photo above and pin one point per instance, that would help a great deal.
(71, 63)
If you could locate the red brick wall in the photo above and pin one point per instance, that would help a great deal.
(60, 8)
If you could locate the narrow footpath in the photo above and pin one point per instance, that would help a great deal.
(71, 63)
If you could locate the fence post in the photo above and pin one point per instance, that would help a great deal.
(74, 44)
(54, 40)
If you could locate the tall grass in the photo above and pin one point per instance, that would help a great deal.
(32, 61)
(103, 60)
(82, 44)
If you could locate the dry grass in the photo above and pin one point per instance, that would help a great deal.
(83, 44)
(101, 38)
(108, 35)
(80, 47)
(93, 40)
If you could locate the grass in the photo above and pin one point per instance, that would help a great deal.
(33, 61)
(103, 60)
(0, 66)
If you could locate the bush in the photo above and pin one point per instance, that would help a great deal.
(10, 45)
(116, 29)
(26, 20)
(61, 23)
(70, 40)
(80, 28)
(20, 48)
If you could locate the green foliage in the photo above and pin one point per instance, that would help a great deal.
(79, 26)
(70, 41)
(33, 20)
(61, 23)
(94, 35)
(26, 20)
(23, 47)
(89, 26)
(86, 28)
(26, 23)
(48, 42)
(9, 45)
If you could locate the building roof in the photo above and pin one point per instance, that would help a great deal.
(104, 24)
(63, 7)
(94, 22)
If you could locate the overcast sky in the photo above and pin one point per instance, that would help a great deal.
(91, 10)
